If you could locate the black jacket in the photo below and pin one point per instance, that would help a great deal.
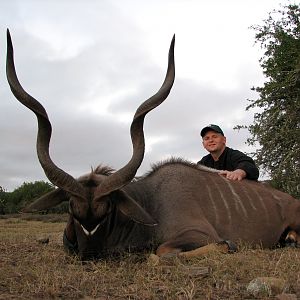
(231, 160)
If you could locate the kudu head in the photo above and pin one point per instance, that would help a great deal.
(91, 197)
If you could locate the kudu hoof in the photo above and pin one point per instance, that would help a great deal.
(231, 245)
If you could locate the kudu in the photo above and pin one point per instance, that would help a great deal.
(178, 207)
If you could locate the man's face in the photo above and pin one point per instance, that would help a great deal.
(214, 142)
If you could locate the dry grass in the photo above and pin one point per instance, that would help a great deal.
(30, 269)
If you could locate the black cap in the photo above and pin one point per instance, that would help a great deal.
(212, 127)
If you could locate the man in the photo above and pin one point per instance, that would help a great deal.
(233, 164)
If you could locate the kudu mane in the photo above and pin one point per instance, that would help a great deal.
(92, 179)
(103, 170)
(177, 160)
(170, 161)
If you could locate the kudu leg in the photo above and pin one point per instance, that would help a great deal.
(292, 239)
(193, 243)
(222, 247)
(69, 237)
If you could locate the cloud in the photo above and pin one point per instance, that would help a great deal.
(92, 65)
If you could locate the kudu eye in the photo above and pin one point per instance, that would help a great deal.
(101, 208)
(78, 208)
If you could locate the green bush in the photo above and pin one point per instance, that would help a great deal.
(12, 202)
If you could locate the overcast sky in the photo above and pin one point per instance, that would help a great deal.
(92, 62)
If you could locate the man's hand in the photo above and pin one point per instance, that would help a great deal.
(237, 174)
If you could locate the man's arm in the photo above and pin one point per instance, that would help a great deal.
(240, 165)
(245, 163)
(237, 174)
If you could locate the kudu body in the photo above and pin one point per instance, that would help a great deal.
(178, 206)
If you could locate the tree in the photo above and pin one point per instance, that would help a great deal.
(24, 195)
(276, 127)
(2, 200)
(13, 202)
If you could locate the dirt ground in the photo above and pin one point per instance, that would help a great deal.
(33, 265)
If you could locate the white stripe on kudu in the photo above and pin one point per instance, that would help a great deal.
(238, 201)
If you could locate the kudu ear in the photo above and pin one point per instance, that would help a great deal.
(47, 201)
(130, 208)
